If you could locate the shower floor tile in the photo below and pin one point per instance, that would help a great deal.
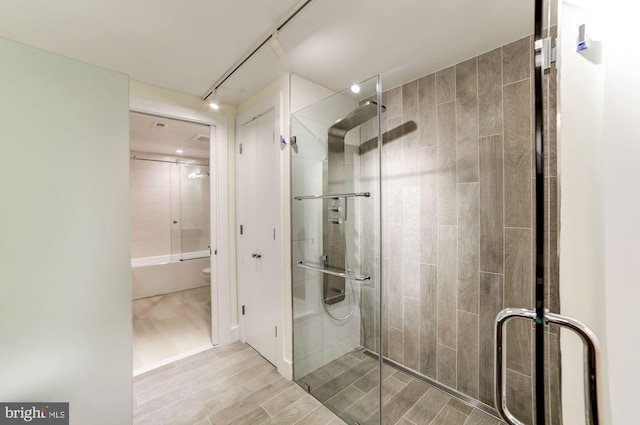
(168, 326)
(348, 384)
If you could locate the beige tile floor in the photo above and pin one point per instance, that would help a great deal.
(167, 327)
(235, 385)
(222, 386)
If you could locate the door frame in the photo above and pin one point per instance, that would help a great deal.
(221, 333)
(274, 103)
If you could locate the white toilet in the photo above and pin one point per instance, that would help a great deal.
(206, 274)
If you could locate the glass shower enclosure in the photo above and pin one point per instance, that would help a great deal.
(335, 250)
(424, 230)
(190, 210)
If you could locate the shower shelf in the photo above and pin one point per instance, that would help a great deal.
(334, 196)
(322, 268)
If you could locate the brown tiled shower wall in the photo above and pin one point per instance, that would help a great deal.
(458, 217)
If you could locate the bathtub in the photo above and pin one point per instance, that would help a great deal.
(160, 275)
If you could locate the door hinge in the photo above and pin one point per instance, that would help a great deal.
(545, 54)
(274, 233)
(241, 229)
(240, 148)
(276, 331)
(243, 310)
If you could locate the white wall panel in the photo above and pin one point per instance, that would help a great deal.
(65, 275)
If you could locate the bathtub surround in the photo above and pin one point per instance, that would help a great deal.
(169, 223)
(166, 277)
(457, 217)
(169, 206)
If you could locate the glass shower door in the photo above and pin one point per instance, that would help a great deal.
(190, 210)
(335, 252)
(195, 210)
(547, 325)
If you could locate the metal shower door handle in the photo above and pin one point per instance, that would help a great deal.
(501, 360)
(591, 353)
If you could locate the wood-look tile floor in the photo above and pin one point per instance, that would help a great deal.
(166, 326)
(220, 386)
(348, 386)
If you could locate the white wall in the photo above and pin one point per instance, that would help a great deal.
(65, 308)
(305, 93)
(581, 201)
(599, 229)
(622, 206)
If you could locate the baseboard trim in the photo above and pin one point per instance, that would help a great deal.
(235, 333)
(286, 369)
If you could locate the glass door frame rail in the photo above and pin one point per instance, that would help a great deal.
(540, 315)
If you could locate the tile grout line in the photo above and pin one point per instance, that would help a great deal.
(438, 414)
(516, 82)
(479, 217)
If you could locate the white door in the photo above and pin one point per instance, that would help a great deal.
(258, 252)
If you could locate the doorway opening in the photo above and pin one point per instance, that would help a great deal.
(171, 234)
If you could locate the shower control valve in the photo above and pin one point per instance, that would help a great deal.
(335, 208)
(336, 220)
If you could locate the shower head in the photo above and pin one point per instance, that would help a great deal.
(335, 181)
(356, 117)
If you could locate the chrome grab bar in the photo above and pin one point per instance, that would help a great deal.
(501, 360)
(591, 364)
(325, 270)
(591, 355)
(334, 196)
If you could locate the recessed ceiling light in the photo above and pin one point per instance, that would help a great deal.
(179, 151)
(214, 105)
(355, 88)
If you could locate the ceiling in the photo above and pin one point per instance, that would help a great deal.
(165, 136)
(188, 45)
